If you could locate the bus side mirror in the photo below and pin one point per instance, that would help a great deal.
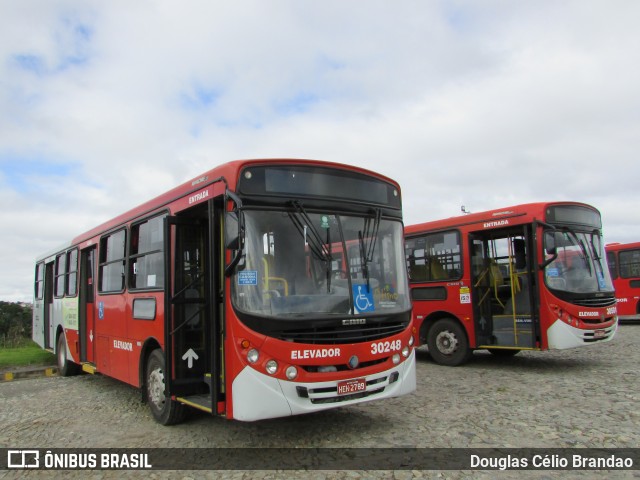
(520, 253)
(550, 243)
(232, 231)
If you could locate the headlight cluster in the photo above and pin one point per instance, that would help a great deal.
(270, 366)
(406, 350)
(564, 315)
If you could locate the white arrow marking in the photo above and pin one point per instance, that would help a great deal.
(190, 356)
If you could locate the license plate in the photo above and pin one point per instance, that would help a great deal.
(352, 386)
(599, 334)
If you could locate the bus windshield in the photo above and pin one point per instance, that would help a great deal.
(301, 264)
(576, 262)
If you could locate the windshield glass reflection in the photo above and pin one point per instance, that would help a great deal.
(298, 263)
(579, 265)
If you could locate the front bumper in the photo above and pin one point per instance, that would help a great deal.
(259, 396)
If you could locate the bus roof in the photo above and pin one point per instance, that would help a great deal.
(228, 171)
(617, 247)
(528, 212)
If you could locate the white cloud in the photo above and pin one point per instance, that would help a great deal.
(484, 104)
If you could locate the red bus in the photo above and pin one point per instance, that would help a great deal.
(527, 277)
(624, 267)
(260, 289)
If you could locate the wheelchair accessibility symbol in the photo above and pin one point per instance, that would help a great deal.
(363, 299)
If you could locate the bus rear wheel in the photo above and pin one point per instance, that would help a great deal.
(164, 410)
(66, 367)
(448, 344)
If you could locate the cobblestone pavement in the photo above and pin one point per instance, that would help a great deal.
(585, 397)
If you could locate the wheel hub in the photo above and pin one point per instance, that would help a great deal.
(446, 342)
(156, 388)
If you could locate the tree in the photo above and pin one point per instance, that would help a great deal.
(15, 320)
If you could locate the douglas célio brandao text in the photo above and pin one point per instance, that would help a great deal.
(550, 462)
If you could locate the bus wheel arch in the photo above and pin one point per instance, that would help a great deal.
(429, 321)
(448, 341)
(149, 346)
(66, 366)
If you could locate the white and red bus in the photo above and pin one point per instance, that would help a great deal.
(527, 277)
(624, 266)
(260, 289)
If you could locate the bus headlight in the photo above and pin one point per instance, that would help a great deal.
(253, 355)
(405, 352)
(396, 358)
(271, 367)
(291, 372)
(411, 341)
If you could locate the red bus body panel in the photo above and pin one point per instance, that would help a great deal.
(117, 343)
(627, 286)
(482, 223)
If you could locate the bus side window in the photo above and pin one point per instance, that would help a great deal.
(146, 261)
(111, 270)
(611, 261)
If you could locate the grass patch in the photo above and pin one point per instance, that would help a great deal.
(28, 354)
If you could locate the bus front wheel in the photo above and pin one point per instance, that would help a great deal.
(448, 344)
(164, 410)
(66, 367)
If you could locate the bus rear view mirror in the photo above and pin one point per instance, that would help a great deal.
(520, 253)
(232, 231)
(552, 239)
(550, 243)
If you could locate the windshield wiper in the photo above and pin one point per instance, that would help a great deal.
(312, 238)
(596, 256)
(580, 243)
(367, 240)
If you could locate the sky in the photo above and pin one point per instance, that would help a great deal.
(484, 103)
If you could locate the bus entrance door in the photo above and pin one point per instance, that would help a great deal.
(49, 340)
(87, 310)
(188, 311)
(504, 313)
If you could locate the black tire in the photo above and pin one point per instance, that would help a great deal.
(503, 352)
(448, 344)
(164, 410)
(66, 367)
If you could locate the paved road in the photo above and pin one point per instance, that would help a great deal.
(585, 397)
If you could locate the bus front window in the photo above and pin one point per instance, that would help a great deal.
(297, 263)
(578, 266)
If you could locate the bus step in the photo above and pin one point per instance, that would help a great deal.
(201, 402)
(89, 368)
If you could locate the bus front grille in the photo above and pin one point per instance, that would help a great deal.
(599, 335)
(337, 335)
(607, 301)
(318, 396)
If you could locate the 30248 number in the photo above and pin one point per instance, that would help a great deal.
(386, 347)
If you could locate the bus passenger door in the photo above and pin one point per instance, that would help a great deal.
(189, 309)
(503, 289)
(87, 307)
(48, 307)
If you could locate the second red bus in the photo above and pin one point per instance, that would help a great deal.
(624, 266)
(525, 277)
